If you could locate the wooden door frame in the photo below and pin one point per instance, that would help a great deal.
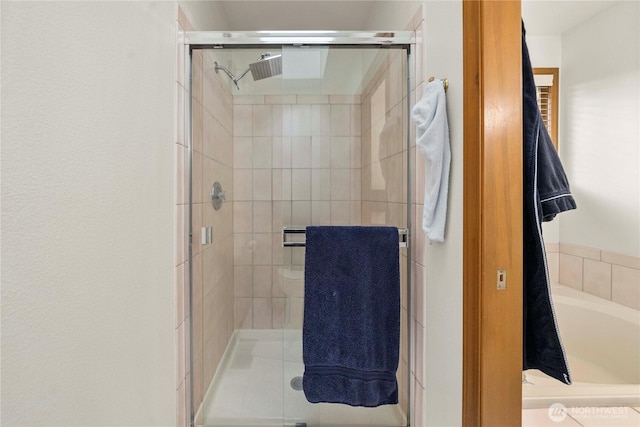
(492, 317)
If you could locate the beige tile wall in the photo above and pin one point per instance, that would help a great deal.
(212, 264)
(384, 192)
(605, 274)
(212, 303)
(296, 161)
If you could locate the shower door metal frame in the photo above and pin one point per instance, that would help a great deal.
(402, 40)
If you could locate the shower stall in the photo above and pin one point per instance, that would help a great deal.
(288, 129)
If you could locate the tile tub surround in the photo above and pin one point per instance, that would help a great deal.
(609, 275)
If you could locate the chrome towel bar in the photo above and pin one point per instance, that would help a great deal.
(403, 237)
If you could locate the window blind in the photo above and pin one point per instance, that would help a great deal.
(546, 80)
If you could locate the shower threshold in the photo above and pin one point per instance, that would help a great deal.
(252, 387)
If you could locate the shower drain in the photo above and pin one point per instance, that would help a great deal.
(296, 383)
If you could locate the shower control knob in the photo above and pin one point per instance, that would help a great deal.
(217, 195)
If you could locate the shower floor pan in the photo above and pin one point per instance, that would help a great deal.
(253, 387)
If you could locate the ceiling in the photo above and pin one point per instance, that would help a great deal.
(548, 18)
(541, 17)
(296, 15)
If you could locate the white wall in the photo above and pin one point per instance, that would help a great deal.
(545, 51)
(88, 213)
(438, 53)
(600, 130)
(442, 40)
(391, 15)
(204, 15)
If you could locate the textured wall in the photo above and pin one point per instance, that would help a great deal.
(600, 132)
(87, 213)
(442, 38)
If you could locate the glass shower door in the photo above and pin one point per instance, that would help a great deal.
(319, 142)
(344, 163)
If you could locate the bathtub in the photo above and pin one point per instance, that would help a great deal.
(602, 342)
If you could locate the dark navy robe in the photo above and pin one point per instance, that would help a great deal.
(546, 193)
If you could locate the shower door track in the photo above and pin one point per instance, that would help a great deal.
(403, 40)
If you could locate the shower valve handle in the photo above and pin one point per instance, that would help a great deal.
(218, 195)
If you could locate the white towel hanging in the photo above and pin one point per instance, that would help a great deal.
(432, 139)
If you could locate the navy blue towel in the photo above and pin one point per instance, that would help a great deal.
(351, 329)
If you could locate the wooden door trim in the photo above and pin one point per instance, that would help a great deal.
(492, 218)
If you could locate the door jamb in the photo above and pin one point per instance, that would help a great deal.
(492, 218)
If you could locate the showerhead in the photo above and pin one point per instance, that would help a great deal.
(267, 66)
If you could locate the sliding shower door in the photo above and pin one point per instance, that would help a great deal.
(317, 138)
